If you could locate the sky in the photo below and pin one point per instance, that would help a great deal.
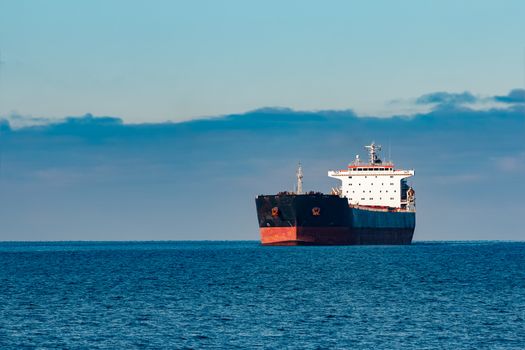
(147, 61)
(162, 120)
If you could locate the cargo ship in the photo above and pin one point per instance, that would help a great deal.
(373, 205)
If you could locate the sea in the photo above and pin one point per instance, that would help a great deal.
(240, 295)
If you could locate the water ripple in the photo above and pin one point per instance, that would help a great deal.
(240, 295)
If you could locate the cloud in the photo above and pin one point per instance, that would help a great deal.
(198, 179)
(514, 96)
(514, 163)
(18, 121)
(465, 101)
(446, 98)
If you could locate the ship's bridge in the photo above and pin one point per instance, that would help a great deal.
(375, 183)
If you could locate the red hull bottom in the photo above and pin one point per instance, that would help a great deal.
(293, 236)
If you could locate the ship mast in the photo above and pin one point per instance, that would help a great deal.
(372, 152)
(299, 174)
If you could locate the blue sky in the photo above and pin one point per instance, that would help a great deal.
(177, 60)
(123, 120)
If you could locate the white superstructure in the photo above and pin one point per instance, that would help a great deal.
(375, 183)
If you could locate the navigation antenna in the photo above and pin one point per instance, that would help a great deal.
(390, 151)
(299, 179)
(372, 148)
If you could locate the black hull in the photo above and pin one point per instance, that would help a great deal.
(317, 219)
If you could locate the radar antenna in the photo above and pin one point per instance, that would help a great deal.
(372, 152)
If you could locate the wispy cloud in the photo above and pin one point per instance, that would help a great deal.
(512, 163)
(457, 100)
(442, 100)
(514, 96)
(18, 121)
(447, 98)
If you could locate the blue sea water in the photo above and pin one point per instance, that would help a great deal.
(447, 295)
